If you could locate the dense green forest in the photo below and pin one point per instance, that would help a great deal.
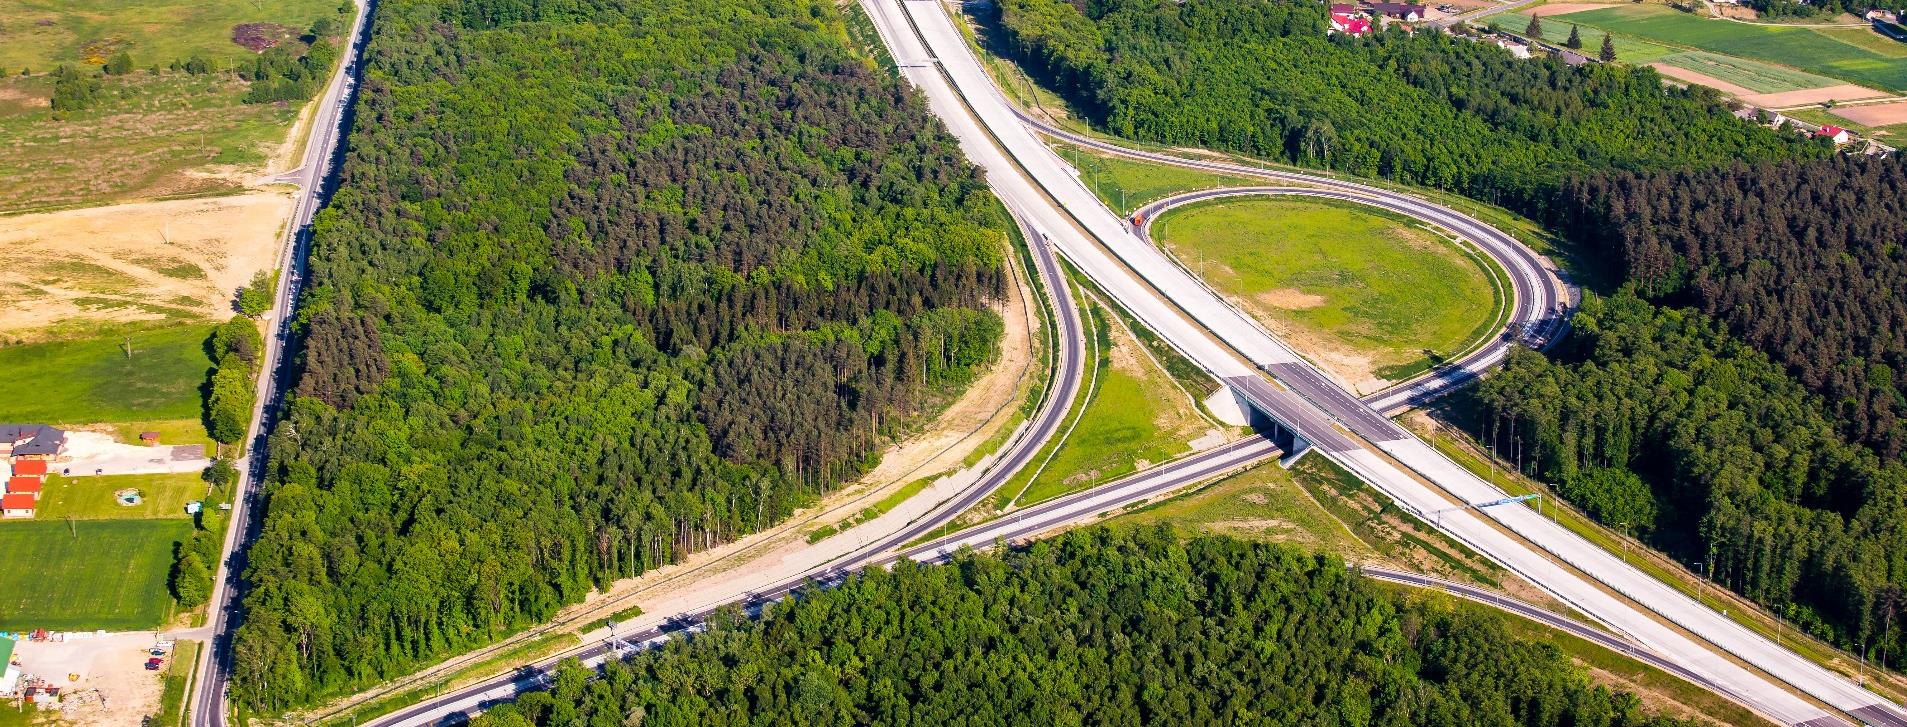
(1801, 260)
(1656, 418)
(1262, 78)
(1096, 628)
(605, 282)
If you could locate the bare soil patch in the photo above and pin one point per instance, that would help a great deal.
(259, 37)
(113, 686)
(1290, 299)
(1880, 114)
(1548, 9)
(147, 261)
(1697, 77)
(1824, 94)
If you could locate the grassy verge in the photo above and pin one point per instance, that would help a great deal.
(90, 380)
(178, 680)
(1396, 535)
(1460, 449)
(523, 653)
(171, 432)
(1361, 281)
(1613, 669)
(1263, 503)
(1125, 185)
(617, 617)
(108, 574)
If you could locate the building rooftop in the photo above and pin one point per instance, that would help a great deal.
(17, 501)
(29, 467)
(23, 484)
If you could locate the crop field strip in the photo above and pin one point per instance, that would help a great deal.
(1838, 55)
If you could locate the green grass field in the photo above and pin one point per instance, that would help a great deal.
(111, 576)
(1556, 30)
(42, 33)
(91, 380)
(146, 131)
(1126, 185)
(1134, 413)
(1343, 276)
(1837, 54)
(91, 498)
(1262, 503)
(1752, 75)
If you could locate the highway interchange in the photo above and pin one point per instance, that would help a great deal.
(1047, 199)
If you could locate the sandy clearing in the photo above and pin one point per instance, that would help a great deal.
(1824, 94)
(1880, 114)
(987, 407)
(1544, 11)
(1683, 74)
(1291, 299)
(113, 687)
(133, 262)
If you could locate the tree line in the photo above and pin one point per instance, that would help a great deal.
(1801, 260)
(1262, 78)
(1096, 628)
(1659, 422)
(604, 283)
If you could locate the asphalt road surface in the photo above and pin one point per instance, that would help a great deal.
(1188, 316)
(314, 177)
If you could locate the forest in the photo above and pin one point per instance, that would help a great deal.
(1262, 78)
(604, 283)
(1096, 628)
(1801, 260)
(1657, 421)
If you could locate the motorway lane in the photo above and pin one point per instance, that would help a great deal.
(206, 705)
(1060, 185)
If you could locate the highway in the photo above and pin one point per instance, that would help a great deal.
(206, 705)
(1046, 199)
(1187, 315)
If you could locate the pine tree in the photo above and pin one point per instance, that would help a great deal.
(1608, 49)
(1535, 29)
(1575, 38)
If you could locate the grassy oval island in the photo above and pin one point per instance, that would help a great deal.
(1373, 296)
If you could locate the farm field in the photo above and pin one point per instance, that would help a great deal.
(144, 263)
(165, 135)
(1883, 120)
(92, 380)
(42, 33)
(163, 496)
(1136, 414)
(1837, 55)
(1556, 30)
(1373, 297)
(1754, 76)
(111, 575)
(1126, 185)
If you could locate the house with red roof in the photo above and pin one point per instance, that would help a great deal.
(1352, 25)
(1834, 133)
(21, 505)
(24, 485)
(35, 467)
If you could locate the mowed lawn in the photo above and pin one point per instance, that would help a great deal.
(91, 497)
(1855, 59)
(93, 380)
(111, 575)
(1345, 276)
(42, 33)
